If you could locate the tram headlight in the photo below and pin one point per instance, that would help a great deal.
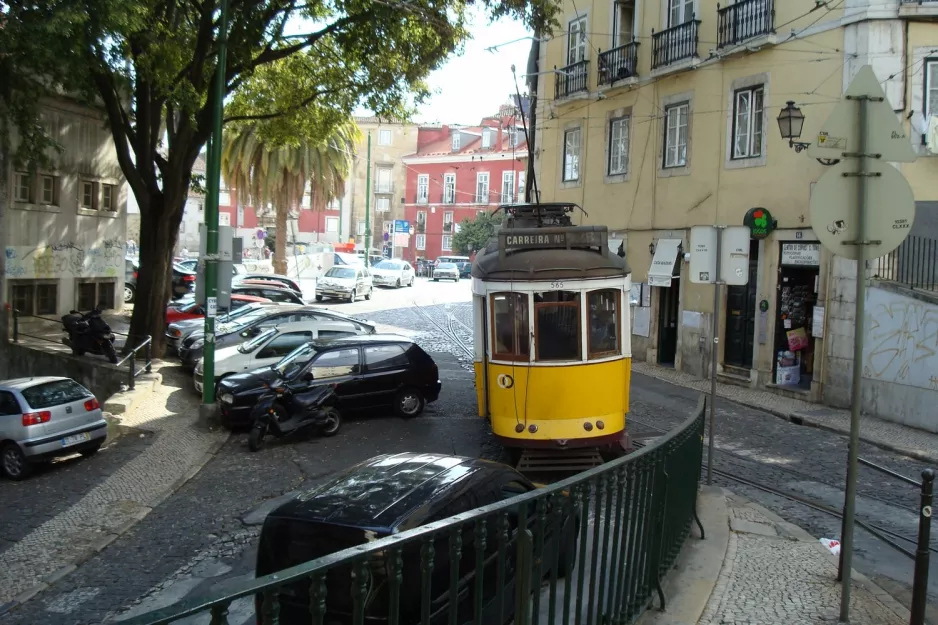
(600, 424)
(519, 428)
(588, 426)
(532, 428)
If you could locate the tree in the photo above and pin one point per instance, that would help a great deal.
(475, 233)
(264, 167)
(150, 63)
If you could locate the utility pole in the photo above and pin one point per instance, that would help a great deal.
(714, 349)
(211, 217)
(367, 203)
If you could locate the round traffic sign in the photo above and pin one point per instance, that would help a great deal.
(890, 209)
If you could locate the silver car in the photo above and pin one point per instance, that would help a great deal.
(446, 271)
(41, 418)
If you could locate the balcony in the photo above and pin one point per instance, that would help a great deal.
(678, 43)
(918, 9)
(618, 64)
(743, 21)
(384, 188)
(571, 79)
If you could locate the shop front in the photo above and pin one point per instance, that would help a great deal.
(798, 316)
(665, 274)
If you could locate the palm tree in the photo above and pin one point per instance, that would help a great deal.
(266, 173)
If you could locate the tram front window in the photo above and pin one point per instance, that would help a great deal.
(604, 323)
(557, 325)
(510, 326)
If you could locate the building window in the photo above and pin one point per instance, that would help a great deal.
(447, 243)
(423, 189)
(681, 11)
(382, 204)
(521, 189)
(514, 136)
(384, 137)
(421, 221)
(388, 227)
(306, 202)
(482, 188)
(448, 221)
(748, 117)
(421, 242)
(22, 187)
(571, 155)
(34, 298)
(486, 139)
(383, 182)
(623, 24)
(449, 188)
(48, 190)
(95, 293)
(224, 198)
(557, 325)
(675, 135)
(931, 88)
(332, 224)
(87, 195)
(508, 187)
(576, 40)
(603, 338)
(618, 146)
(510, 327)
(334, 204)
(361, 228)
(107, 197)
(455, 141)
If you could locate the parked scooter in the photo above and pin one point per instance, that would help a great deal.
(89, 333)
(280, 412)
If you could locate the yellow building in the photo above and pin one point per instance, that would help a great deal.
(658, 115)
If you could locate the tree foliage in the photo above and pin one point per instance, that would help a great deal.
(149, 64)
(475, 233)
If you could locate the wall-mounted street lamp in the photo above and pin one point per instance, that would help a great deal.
(790, 125)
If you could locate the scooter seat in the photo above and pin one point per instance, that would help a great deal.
(310, 400)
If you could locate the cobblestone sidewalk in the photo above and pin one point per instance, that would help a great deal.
(776, 574)
(908, 441)
(179, 450)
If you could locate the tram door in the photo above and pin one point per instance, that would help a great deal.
(667, 322)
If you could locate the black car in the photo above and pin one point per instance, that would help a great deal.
(183, 281)
(269, 291)
(252, 324)
(272, 279)
(465, 269)
(369, 372)
(390, 494)
(130, 280)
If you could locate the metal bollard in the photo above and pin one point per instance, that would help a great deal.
(149, 359)
(131, 364)
(16, 326)
(922, 551)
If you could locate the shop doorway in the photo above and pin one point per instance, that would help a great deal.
(798, 274)
(741, 316)
(668, 306)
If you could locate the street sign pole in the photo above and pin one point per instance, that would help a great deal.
(715, 333)
(368, 204)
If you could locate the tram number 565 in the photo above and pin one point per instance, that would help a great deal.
(556, 285)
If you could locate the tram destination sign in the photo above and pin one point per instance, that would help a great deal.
(540, 240)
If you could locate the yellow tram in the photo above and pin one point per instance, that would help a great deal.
(552, 327)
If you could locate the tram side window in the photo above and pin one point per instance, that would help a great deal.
(557, 325)
(604, 323)
(510, 326)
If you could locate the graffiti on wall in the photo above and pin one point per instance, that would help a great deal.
(65, 259)
(902, 344)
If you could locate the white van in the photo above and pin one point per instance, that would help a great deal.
(272, 344)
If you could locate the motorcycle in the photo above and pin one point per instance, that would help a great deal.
(89, 333)
(281, 412)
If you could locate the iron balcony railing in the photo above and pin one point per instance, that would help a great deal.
(913, 264)
(674, 44)
(571, 79)
(618, 63)
(744, 20)
(630, 518)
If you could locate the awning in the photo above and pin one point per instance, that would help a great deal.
(662, 265)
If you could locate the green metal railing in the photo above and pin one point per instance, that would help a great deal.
(589, 550)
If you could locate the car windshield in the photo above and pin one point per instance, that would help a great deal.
(390, 265)
(447, 266)
(190, 308)
(54, 393)
(260, 339)
(238, 313)
(240, 323)
(341, 272)
(298, 356)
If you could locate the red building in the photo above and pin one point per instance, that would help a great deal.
(457, 172)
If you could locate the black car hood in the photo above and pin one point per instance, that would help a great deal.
(251, 381)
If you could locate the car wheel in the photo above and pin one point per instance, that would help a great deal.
(368, 294)
(333, 421)
(398, 283)
(319, 298)
(353, 296)
(129, 294)
(436, 279)
(256, 437)
(91, 450)
(14, 463)
(409, 403)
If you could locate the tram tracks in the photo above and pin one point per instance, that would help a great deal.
(878, 531)
(451, 329)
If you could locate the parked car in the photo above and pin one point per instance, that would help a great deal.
(195, 310)
(369, 372)
(387, 495)
(249, 326)
(45, 417)
(178, 331)
(183, 281)
(269, 278)
(270, 346)
(268, 291)
(465, 269)
(341, 258)
(446, 271)
(451, 259)
(130, 280)
(264, 282)
(393, 273)
(345, 282)
(189, 264)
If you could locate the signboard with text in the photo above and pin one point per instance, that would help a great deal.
(801, 254)
(541, 240)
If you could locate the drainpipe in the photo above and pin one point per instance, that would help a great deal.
(529, 181)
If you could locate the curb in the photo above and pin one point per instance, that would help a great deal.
(63, 572)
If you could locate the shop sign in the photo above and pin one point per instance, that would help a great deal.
(760, 222)
(801, 254)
